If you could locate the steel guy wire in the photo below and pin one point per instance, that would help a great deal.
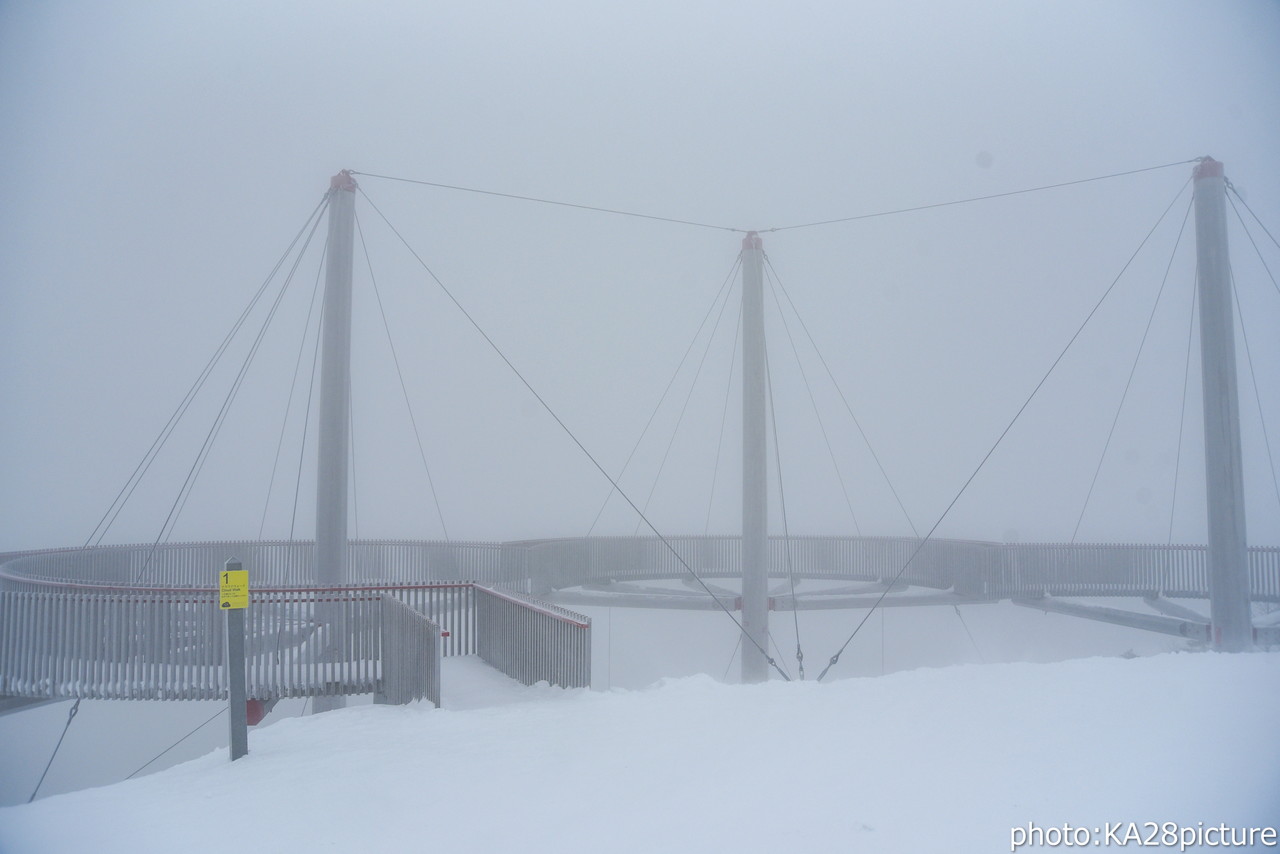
(306, 422)
(724, 412)
(550, 202)
(117, 504)
(293, 383)
(848, 408)
(662, 397)
(70, 717)
(981, 198)
(403, 387)
(782, 503)
(844, 489)
(1253, 378)
(175, 511)
(1256, 219)
(836, 657)
(1133, 369)
(1182, 408)
(685, 406)
(573, 437)
(1254, 243)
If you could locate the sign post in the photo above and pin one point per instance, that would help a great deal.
(233, 598)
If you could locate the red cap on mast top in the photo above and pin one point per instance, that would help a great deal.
(343, 181)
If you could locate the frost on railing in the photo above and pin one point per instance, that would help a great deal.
(137, 622)
(150, 646)
(153, 645)
(971, 568)
(110, 646)
(275, 563)
(411, 655)
(531, 641)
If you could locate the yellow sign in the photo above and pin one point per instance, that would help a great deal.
(233, 589)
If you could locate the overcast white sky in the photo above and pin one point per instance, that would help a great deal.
(159, 158)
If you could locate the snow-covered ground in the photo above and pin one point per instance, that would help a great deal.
(948, 759)
(631, 648)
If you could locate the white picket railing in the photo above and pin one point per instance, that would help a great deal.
(140, 622)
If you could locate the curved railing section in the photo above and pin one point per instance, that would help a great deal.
(274, 563)
(141, 622)
(1173, 571)
(969, 567)
(555, 564)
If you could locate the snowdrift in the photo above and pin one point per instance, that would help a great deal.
(928, 760)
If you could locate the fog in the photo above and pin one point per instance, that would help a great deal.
(160, 158)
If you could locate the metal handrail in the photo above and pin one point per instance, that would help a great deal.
(975, 568)
(410, 655)
(553, 612)
(532, 642)
(92, 623)
(129, 643)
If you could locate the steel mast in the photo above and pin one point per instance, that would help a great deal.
(755, 460)
(1228, 551)
(335, 414)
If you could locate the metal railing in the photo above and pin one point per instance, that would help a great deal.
(411, 655)
(150, 646)
(532, 641)
(275, 563)
(154, 644)
(996, 570)
(1083, 569)
(137, 622)
(973, 568)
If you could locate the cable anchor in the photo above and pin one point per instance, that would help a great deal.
(830, 664)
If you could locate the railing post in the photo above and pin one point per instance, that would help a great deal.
(388, 652)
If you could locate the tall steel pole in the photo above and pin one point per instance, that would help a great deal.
(755, 477)
(335, 414)
(1228, 548)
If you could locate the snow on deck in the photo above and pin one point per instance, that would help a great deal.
(928, 760)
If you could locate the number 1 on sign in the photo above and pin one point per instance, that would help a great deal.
(233, 590)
